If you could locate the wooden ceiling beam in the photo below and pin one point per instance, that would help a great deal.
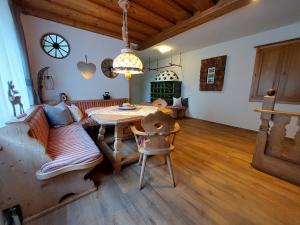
(195, 5)
(59, 19)
(106, 14)
(196, 20)
(167, 9)
(139, 13)
(79, 18)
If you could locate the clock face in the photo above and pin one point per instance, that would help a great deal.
(55, 45)
(106, 67)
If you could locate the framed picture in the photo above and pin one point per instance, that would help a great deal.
(212, 73)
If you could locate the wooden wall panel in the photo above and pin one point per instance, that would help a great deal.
(277, 66)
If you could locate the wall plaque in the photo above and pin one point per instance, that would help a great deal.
(212, 73)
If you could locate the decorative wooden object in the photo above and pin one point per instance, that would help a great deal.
(212, 73)
(87, 70)
(14, 99)
(55, 45)
(271, 153)
(165, 90)
(277, 66)
(156, 138)
(21, 157)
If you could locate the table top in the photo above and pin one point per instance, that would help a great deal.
(113, 115)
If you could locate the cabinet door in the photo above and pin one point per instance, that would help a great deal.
(289, 84)
(267, 71)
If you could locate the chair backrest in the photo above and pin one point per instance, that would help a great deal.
(161, 125)
(160, 103)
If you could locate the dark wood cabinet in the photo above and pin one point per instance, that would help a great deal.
(277, 66)
(165, 90)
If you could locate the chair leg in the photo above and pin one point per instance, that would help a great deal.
(170, 169)
(143, 170)
(140, 159)
(165, 157)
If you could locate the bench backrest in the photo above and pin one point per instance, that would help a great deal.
(86, 104)
(39, 126)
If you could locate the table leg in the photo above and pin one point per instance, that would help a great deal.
(101, 133)
(117, 148)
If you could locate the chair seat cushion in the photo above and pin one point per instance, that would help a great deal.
(69, 145)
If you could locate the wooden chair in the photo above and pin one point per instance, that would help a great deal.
(160, 103)
(156, 138)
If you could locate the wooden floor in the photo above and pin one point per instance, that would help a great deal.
(215, 185)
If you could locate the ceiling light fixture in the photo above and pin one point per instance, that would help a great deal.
(163, 48)
(127, 62)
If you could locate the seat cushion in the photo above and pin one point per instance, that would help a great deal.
(69, 145)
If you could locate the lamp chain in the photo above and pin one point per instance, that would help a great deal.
(124, 5)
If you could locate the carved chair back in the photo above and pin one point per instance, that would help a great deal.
(158, 126)
(160, 103)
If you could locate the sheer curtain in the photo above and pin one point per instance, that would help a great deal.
(13, 64)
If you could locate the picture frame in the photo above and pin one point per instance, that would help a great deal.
(212, 73)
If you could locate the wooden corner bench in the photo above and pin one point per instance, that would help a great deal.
(40, 165)
(177, 111)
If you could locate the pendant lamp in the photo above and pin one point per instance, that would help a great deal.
(127, 62)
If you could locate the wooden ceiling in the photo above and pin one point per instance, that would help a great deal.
(149, 21)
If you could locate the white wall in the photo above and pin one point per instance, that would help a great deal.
(231, 106)
(66, 76)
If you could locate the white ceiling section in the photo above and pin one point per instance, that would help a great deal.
(259, 16)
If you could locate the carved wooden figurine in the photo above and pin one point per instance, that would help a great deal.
(13, 98)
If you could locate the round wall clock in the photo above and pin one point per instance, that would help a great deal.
(55, 45)
(106, 67)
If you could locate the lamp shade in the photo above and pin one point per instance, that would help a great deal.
(127, 63)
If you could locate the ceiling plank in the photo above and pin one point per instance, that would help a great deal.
(106, 14)
(72, 15)
(59, 19)
(167, 9)
(195, 5)
(196, 20)
(139, 13)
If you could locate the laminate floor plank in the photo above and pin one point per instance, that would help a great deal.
(215, 185)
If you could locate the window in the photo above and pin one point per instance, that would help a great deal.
(277, 66)
(55, 45)
(12, 72)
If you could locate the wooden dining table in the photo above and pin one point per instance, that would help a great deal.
(121, 119)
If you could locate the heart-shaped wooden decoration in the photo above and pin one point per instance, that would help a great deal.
(87, 70)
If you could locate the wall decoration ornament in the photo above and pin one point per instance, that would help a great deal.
(87, 70)
(166, 75)
(106, 95)
(212, 73)
(55, 45)
(44, 80)
(14, 98)
(107, 68)
(63, 97)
